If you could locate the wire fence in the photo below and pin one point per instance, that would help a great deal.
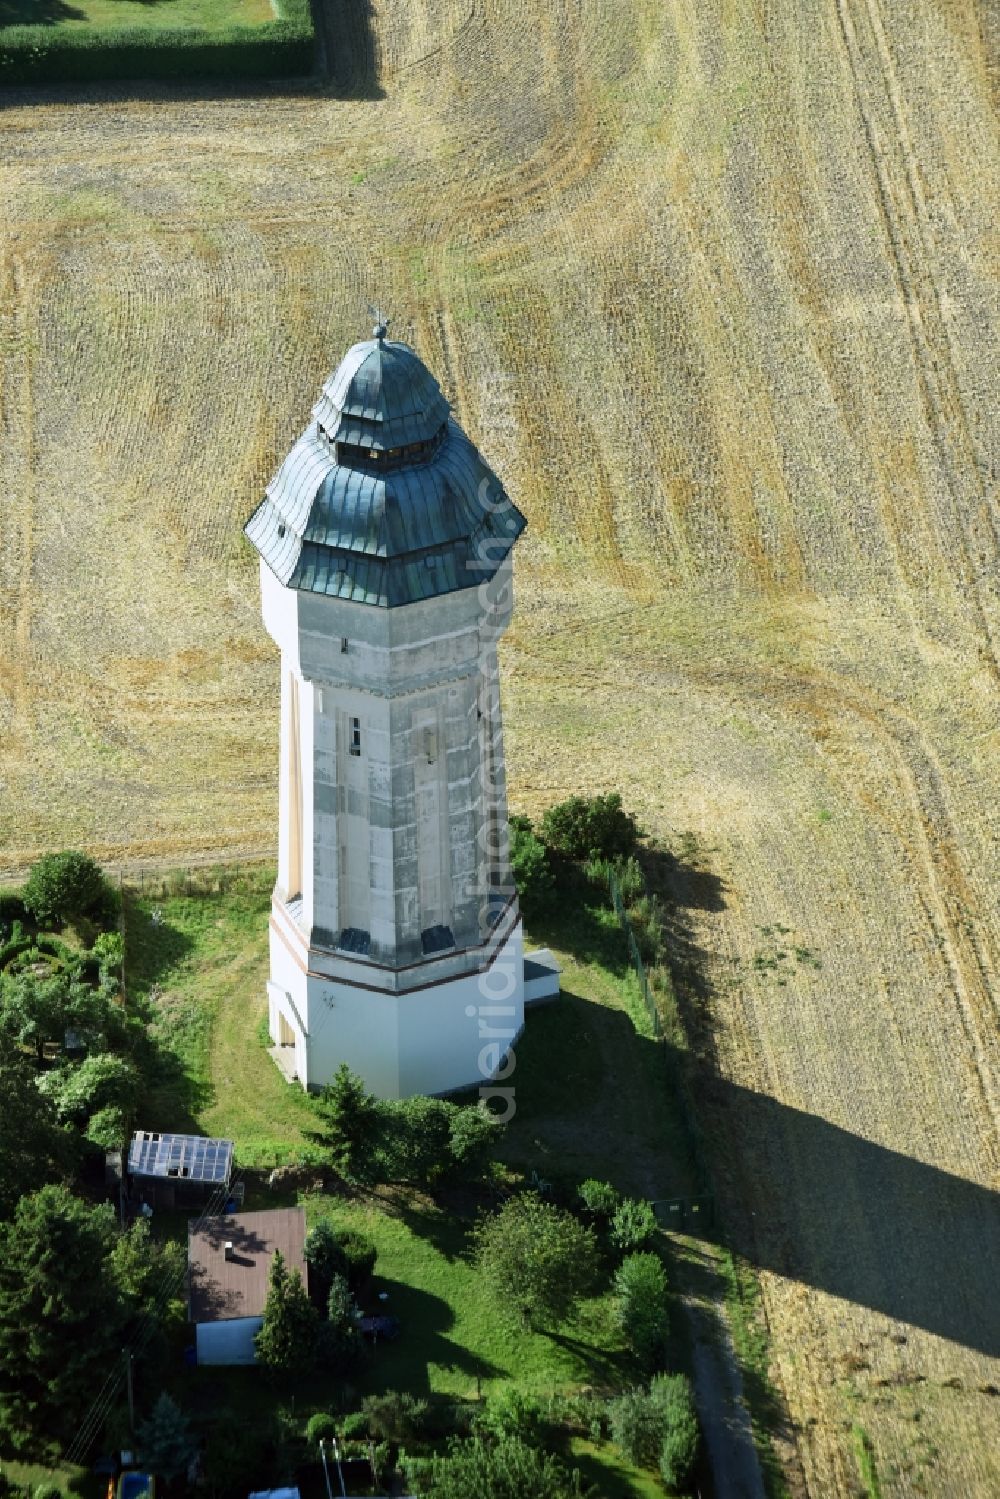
(698, 1209)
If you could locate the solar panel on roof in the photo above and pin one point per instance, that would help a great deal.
(182, 1157)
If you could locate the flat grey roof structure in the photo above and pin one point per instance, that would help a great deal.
(191, 1158)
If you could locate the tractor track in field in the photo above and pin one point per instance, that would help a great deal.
(971, 513)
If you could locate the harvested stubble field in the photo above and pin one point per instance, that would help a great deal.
(710, 284)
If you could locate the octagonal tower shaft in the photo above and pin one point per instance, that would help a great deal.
(385, 544)
(392, 827)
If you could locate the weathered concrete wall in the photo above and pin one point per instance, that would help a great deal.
(393, 824)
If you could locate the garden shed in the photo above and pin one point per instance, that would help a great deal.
(229, 1267)
(168, 1171)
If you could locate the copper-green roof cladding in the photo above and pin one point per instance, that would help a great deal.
(381, 396)
(439, 523)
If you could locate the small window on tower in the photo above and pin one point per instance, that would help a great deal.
(355, 736)
(343, 645)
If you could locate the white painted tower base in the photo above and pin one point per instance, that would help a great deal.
(441, 1036)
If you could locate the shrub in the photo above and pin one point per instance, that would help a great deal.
(599, 1198)
(354, 1426)
(331, 1252)
(109, 950)
(633, 1225)
(591, 827)
(360, 1255)
(637, 1427)
(508, 1412)
(64, 885)
(493, 1470)
(322, 1427)
(394, 1417)
(647, 919)
(108, 1128)
(473, 1140)
(679, 1451)
(417, 1140)
(324, 1255)
(658, 1426)
(529, 862)
(12, 910)
(641, 1289)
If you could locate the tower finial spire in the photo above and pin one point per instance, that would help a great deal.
(381, 327)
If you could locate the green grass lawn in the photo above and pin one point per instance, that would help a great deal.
(591, 1097)
(209, 15)
(455, 1341)
(200, 964)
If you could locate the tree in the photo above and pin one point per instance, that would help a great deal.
(148, 1272)
(352, 1125)
(64, 885)
(341, 1341)
(641, 1289)
(36, 1009)
(287, 1341)
(33, 1149)
(633, 1225)
(61, 1315)
(536, 1259)
(591, 827)
(167, 1445)
(506, 1468)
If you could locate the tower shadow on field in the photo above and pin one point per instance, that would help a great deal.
(819, 1204)
(811, 1200)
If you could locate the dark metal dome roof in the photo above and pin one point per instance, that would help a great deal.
(381, 396)
(383, 499)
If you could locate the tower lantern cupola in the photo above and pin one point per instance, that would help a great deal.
(385, 543)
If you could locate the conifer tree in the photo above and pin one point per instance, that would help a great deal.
(287, 1341)
(165, 1440)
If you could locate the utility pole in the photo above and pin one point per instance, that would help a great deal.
(131, 1396)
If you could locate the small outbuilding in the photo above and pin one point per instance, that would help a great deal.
(229, 1267)
(168, 1171)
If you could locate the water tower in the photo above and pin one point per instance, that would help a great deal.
(385, 543)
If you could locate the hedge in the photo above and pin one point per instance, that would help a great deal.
(84, 54)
